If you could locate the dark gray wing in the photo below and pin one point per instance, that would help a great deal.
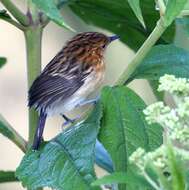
(47, 89)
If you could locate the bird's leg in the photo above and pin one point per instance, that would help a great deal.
(87, 102)
(67, 120)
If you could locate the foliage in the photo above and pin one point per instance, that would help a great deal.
(117, 120)
(2, 61)
(169, 161)
(70, 156)
(163, 59)
(119, 18)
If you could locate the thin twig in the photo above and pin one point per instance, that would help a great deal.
(184, 13)
(150, 181)
(162, 7)
(8, 131)
(142, 52)
(16, 13)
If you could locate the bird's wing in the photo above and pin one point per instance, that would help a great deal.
(60, 82)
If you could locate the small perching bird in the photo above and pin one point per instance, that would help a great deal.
(70, 77)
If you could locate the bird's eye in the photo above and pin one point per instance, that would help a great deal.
(103, 46)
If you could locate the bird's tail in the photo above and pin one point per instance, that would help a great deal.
(39, 131)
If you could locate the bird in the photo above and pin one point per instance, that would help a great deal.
(69, 78)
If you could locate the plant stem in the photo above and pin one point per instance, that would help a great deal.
(184, 13)
(142, 52)
(7, 176)
(33, 36)
(8, 131)
(162, 7)
(33, 46)
(16, 13)
(150, 181)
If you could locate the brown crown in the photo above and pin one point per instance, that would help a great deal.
(87, 47)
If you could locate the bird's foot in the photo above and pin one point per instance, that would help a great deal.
(67, 121)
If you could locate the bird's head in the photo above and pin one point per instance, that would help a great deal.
(88, 47)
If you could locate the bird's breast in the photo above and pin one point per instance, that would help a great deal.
(91, 85)
(93, 81)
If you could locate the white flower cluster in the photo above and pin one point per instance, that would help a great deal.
(141, 159)
(173, 85)
(175, 121)
(159, 157)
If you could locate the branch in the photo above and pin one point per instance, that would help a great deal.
(142, 52)
(33, 47)
(8, 131)
(18, 15)
(184, 13)
(162, 7)
(7, 176)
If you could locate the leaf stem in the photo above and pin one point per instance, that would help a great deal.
(184, 13)
(162, 7)
(7, 176)
(18, 15)
(150, 181)
(142, 52)
(13, 135)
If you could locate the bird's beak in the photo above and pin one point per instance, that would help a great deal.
(115, 37)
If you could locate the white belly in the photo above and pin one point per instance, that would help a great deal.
(92, 83)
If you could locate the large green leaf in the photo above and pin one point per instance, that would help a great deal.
(124, 127)
(135, 5)
(50, 8)
(2, 61)
(7, 176)
(163, 59)
(173, 8)
(118, 17)
(66, 162)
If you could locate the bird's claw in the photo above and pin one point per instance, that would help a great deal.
(69, 121)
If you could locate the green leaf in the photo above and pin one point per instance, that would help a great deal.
(124, 127)
(173, 9)
(132, 179)
(4, 14)
(66, 162)
(163, 59)
(118, 17)
(7, 176)
(2, 61)
(49, 7)
(135, 5)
